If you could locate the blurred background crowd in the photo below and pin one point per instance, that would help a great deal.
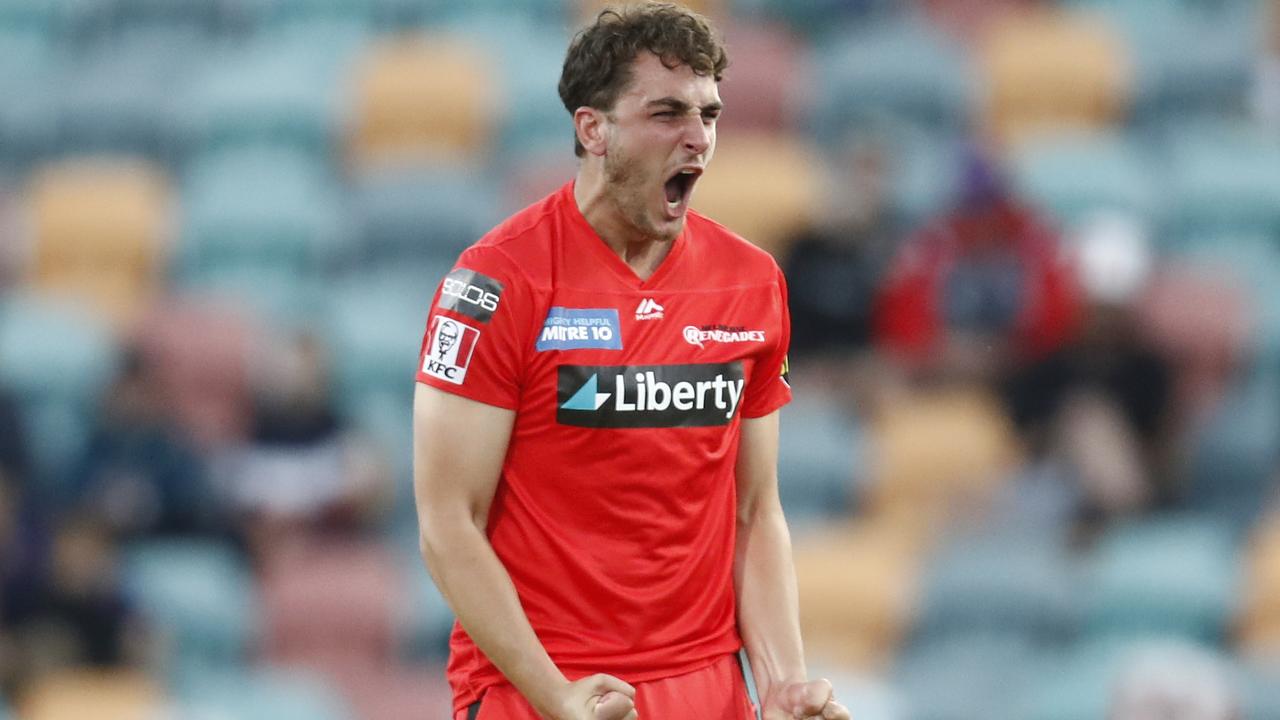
(1033, 251)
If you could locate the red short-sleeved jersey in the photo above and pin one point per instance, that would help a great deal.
(615, 512)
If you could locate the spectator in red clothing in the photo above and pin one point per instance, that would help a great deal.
(980, 290)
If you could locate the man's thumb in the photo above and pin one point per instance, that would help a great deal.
(613, 706)
(807, 698)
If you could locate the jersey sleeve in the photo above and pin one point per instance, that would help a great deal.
(476, 337)
(769, 386)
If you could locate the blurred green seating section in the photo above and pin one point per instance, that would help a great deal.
(245, 168)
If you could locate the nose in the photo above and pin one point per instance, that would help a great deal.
(699, 136)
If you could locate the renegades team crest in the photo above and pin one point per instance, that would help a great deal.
(449, 351)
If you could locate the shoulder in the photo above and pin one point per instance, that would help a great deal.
(519, 247)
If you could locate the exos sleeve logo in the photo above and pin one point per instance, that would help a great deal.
(470, 293)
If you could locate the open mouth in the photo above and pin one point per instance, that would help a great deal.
(678, 188)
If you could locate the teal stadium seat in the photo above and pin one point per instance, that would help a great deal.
(1175, 576)
(973, 675)
(817, 459)
(263, 228)
(1235, 451)
(58, 358)
(119, 98)
(1076, 684)
(277, 93)
(261, 693)
(1189, 58)
(1017, 583)
(1223, 179)
(426, 619)
(375, 325)
(904, 71)
(416, 219)
(1076, 175)
(820, 18)
(1260, 685)
(275, 19)
(30, 44)
(200, 598)
(531, 54)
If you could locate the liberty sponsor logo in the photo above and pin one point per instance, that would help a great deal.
(470, 293)
(449, 349)
(649, 396)
(721, 334)
(648, 309)
(580, 329)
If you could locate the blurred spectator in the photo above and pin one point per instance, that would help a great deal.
(979, 291)
(302, 466)
(76, 613)
(1174, 682)
(14, 454)
(833, 267)
(138, 475)
(1101, 404)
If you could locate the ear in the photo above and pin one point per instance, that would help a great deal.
(592, 128)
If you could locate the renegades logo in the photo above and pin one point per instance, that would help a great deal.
(649, 396)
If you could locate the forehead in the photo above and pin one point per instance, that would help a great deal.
(651, 80)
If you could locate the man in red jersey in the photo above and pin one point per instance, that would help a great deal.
(596, 422)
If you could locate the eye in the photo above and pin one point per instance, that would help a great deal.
(665, 114)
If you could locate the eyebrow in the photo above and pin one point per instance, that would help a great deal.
(681, 106)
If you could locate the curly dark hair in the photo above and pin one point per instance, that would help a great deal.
(597, 67)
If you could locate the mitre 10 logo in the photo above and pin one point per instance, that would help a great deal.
(649, 396)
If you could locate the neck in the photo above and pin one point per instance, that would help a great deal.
(642, 253)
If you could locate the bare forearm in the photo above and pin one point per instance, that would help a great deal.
(481, 594)
(768, 604)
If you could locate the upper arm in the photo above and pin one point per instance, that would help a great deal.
(757, 464)
(458, 448)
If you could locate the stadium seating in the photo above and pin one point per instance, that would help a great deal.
(1014, 585)
(279, 94)
(101, 230)
(420, 99)
(768, 82)
(762, 187)
(938, 455)
(199, 349)
(1258, 631)
(331, 606)
(424, 618)
(969, 676)
(198, 597)
(264, 228)
(856, 583)
(817, 462)
(261, 693)
(401, 692)
(1048, 70)
(410, 220)
(1222, 177)
(105, 694)
(1176, 576)
(899, 71)
(57, 357)
(1074, 175)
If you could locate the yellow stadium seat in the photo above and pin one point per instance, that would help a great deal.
(421, 99)
(1259, 622)
(763, 187)
(1051, 70)
(101, 228)
(857, 587)
(936, 453)
(97, 694)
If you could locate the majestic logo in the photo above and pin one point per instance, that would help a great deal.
(470, 293)
(449, 349)
(648, 310)
(720, 333)
(649, 396)
(580, 329)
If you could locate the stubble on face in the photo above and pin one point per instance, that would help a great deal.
(627, 190)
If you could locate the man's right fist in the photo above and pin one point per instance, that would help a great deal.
(598, 697)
